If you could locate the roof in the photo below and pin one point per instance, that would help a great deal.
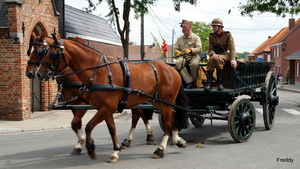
(265, 46)
(294, 56)
(296, 26)
(89, 26)
(3, 15)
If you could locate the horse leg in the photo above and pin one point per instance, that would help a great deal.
(181, 143)
(77, 128)
(114, 157)
(167, 114)
(135, 116)
(146, 115)
(98, 118)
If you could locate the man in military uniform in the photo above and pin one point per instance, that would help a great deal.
(221, 49)
(187, 49)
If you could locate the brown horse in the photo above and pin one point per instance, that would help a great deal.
(71, 85)
(104, 77)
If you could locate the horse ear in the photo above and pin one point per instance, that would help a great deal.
(33, 35)
(54, 38)
(58, 36)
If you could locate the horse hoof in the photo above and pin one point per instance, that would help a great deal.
(181, 143)
(158, 153)
(150, 142)
(76, 151)
(93, 156)
(112, 159)
(125, 144)
(150, 139)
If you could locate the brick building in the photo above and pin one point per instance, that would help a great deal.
(282, 49)
(18, 20)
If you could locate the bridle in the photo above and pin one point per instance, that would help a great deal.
(56, 57)
(41, 52)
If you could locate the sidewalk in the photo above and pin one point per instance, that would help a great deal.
(61, 119)
(289, 87)
(49, 120)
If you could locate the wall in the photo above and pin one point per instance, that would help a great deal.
(23, 16)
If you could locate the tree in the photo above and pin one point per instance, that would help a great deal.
(202, 30)
(279, 7)
(242, 55)
(139, 7)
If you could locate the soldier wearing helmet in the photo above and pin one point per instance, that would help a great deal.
(221, 49)
(187, 49)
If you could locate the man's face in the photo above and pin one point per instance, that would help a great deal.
(215, 28)
(185, 28)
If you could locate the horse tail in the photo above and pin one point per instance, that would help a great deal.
(148, 113)
(182, 116)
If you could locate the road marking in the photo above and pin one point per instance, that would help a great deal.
(259, 110)
(292, 111)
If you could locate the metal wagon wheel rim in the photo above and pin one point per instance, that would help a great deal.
(241, 120)
(269, 106)
(197, 121)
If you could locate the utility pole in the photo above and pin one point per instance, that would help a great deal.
(142, 34)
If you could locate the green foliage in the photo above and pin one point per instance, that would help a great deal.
(278, 7)
(287, 75)
(242, 55)
(202, 30)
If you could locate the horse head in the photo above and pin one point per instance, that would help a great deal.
(36, 54)
(51, 63)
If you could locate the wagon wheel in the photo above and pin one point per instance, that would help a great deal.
(161, 123)
(271, 101)
(241, 120)
(197, 121)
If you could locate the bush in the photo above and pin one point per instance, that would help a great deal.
(287, 75)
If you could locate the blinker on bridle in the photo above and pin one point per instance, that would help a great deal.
(56, 57)
(41, 52)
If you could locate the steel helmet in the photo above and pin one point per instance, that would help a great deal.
(217, 22)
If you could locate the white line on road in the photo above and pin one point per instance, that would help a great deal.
(292, 111)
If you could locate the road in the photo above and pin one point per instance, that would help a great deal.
(209, 146)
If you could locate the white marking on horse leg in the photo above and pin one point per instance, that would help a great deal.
(175, 137)
(163, 144)
(130, 135)
(81, 139)
(115, 154)
(148, 129)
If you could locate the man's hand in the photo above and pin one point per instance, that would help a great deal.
(215, 57)
(233, 64)
(177, 53)
(188, 50)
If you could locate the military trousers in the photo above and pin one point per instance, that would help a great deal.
(193, 63)
(218, 64)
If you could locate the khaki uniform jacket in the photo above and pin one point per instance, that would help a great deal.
(193, 41)
(217, 45)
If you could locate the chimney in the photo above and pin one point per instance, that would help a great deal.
(269, 37)
(291, 23)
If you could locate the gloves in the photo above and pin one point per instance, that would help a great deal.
(177, 53)
(188, 50)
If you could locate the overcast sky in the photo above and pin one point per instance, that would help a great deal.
(248, 33)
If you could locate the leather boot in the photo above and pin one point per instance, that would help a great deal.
(208, 82)
(219, 79)
(191, 85)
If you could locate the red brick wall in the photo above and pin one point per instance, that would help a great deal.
(106, 49)
(14, 85)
